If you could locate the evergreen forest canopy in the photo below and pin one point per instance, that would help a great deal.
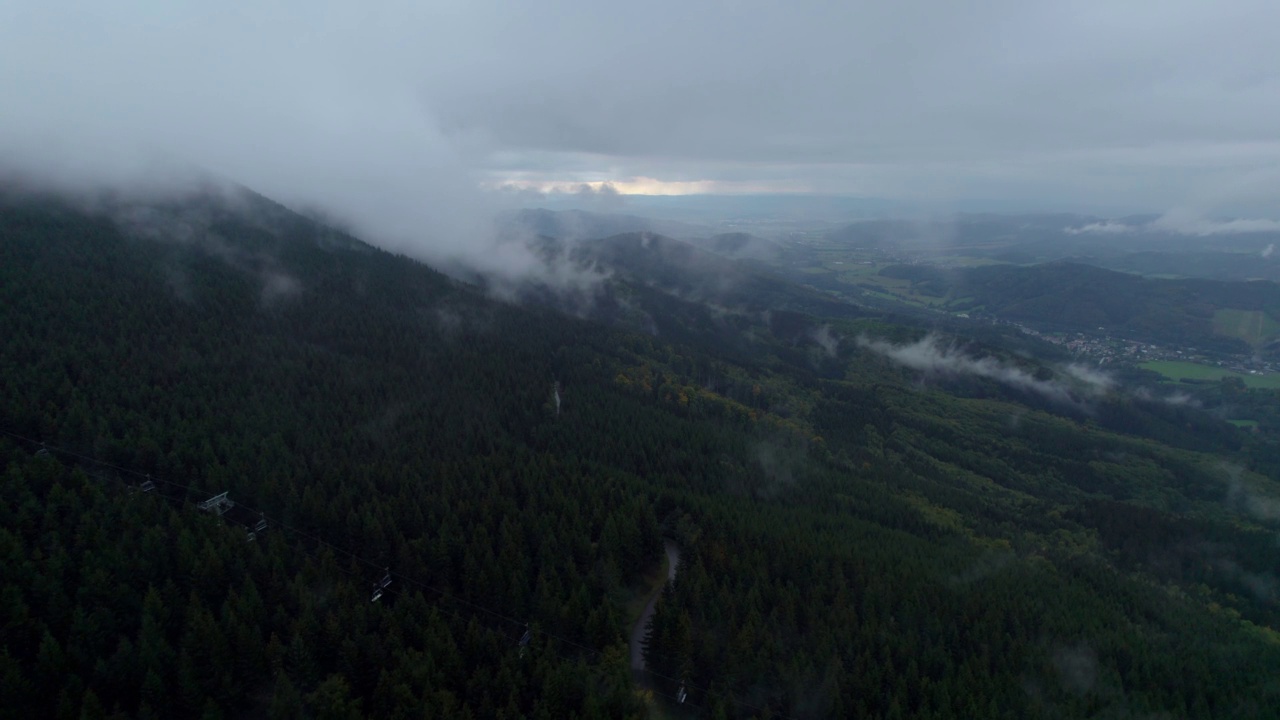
(854, 542)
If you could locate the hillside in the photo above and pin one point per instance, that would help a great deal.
(859, 537)
(1223, 265)
(672, 289)
(740, 246)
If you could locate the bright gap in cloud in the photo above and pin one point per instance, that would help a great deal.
(640, 185)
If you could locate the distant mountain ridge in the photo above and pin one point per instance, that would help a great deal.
(740, 246)
(1073, 296)
(583, 225)
(1121, 243)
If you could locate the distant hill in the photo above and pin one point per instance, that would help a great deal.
(969, 232)
(1073, 296)
(1138, 243)
(1256, 265)
(582, 225)
(739, 246)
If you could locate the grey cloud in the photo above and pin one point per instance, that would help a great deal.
(389, 114)
(304, 107)
(987, 96)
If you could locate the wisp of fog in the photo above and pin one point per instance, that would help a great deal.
(154, 106)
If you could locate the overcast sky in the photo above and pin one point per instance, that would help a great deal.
(373, 109)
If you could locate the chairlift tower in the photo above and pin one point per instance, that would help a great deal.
(218, 504)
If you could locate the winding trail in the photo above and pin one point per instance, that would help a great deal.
(637, 633)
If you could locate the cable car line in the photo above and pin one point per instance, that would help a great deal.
(151, 484)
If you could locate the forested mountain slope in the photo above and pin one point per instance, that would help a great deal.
(740, 245)
(854, 544)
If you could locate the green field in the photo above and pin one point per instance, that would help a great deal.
(1252, 326)
(1178, 369)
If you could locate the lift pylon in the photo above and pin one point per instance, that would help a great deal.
(218, 504)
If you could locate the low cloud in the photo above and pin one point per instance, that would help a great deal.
(152, 105)
(1204, 227)
(1176, 398)
(1077, 667)
(1263, 586)
(194, 226)
(1183, 224)
(601, 196)
(989, 563)
(1107, 227)
(278, 286)
(826, 339)
(1094, 378)
(1248, 500)
(931, 356)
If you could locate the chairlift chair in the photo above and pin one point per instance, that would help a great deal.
(252, 533)
(524, 640)
(381, 585)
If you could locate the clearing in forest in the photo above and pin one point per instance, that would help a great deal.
(1255, 327)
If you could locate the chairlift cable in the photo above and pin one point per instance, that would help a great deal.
(322, 542)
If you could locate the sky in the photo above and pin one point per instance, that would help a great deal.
(405, 116)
